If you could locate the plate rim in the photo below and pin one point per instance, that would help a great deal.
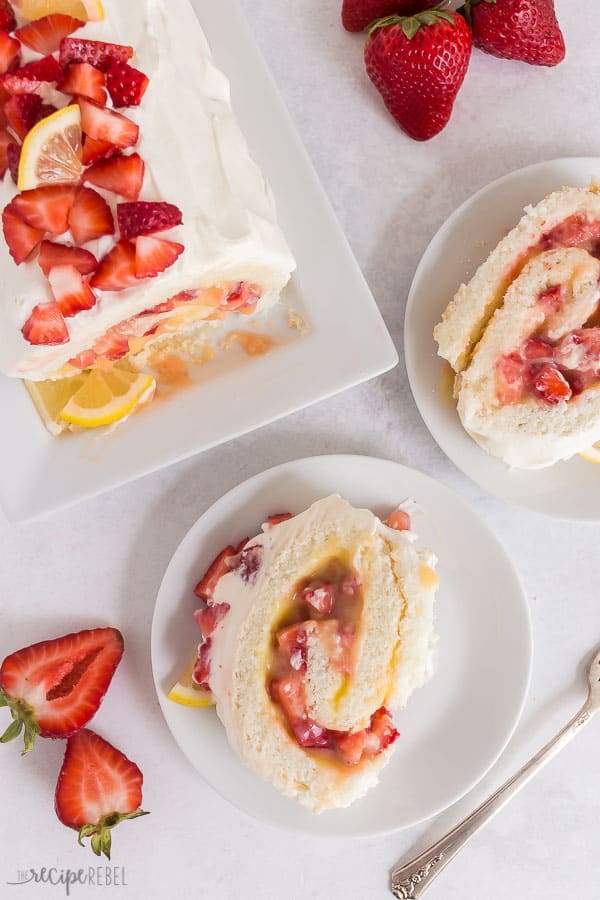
(434, 430)
(271, 472)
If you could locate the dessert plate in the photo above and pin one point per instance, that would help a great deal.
(569, 490)
(346, 342)
(453, 729)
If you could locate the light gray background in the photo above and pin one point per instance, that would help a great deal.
(103, 560)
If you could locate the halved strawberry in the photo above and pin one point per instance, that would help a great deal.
(146, 218)
(5, 141)
(97, 53)
(90, 217)
(52, 255)
(22, 112)
(153, 256)
(46, 325)
(112, 345)
(46, 208)
(122, 175)
(116, 270)
(21, 238)
(97, 788)
(44, 35)
(208, 619)
(126, 85)
(399, 520)
(10, 53)
(70, 291)
(106, 125)
(85, 81)
(29, 78)
(7, 16)
(205, 588)
(13, 154)
(93, 151)
(54, 687)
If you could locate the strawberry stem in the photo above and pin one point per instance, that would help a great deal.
(22, 717)
(101, 837)
(411, 24)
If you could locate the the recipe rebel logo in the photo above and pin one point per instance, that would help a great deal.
(67, 879)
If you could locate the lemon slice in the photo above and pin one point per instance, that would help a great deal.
(592, 455)
(106, 397)
(86, 10)
(50, 398)
(187, 693)
(51, 152)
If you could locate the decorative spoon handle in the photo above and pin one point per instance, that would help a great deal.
(412, 879)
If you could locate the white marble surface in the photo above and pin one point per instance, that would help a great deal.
(104, 559)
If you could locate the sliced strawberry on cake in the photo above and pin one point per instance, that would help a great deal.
(83, 80)
(70, 291)
(122, 175)
(126, 85)
(52, 255)
(90, 217)
(97, 53)
(44, 35)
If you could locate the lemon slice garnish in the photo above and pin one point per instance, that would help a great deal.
(51, 152)
(592, 455)
(86, 10)
(51, 397)
(187, 693)
(106, 397)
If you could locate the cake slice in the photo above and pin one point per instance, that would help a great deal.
(313, 632)
(162, 227)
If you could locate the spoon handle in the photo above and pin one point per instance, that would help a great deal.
(412, 879)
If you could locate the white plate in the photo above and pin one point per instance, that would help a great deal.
(348, 343)
(453, 730)
(570, 490)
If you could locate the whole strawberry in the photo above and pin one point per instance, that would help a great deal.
(517, 29)
(418, 64)
(357, 14)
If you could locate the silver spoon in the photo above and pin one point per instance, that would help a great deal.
(412, 879)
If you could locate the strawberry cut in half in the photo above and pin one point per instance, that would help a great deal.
(22, 239)
(98, 788)
(85, 81)
(10, 53)
(46, 208)
(106, 125)
(123, 175)
(52, 255)
(116, 270)
(90, 217)
(94, 151)
(96, 53)
(29, 78)
(143, 218)
(53, 688)
(153, 256)
(44, 35)
(70, 291)
(7, 16)
(126, 85)
(22, 112)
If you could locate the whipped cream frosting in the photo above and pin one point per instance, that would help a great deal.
(196, 157)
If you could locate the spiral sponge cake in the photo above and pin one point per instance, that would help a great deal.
(326, 621)
(523, 339)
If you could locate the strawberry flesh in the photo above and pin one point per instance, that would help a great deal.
(144, 218)
(126, 85)
(20, 237)
(153, 255)
(96, 53)
(399, 520)
(106, 125)
(90, 217)
(5, 141)
(208, 619)
(22, 112)
(320, 596)
(46, 325)
(52, 255)
(277, 518)
(70, 291)
(98, 787)
(94, 151)
(10, 53)
(205, 588)
(13, 154)
(44, 35)
(28, 78)
(46, 208)
(7, 16)
(116, 270)
(123, 175)
(85, 81)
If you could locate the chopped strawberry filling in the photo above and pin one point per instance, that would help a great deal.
(205, 588)
(208, 619)
(575, 231)
(320, 596)
(277, 519)
(247, 563)
(399, 520)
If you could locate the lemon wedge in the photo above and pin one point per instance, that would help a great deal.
(592, 455)
(187, 693)
(51, 397)
(51, 152)
(106, 397)
(86, 10)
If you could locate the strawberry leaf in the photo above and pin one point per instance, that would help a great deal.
(13, 731)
